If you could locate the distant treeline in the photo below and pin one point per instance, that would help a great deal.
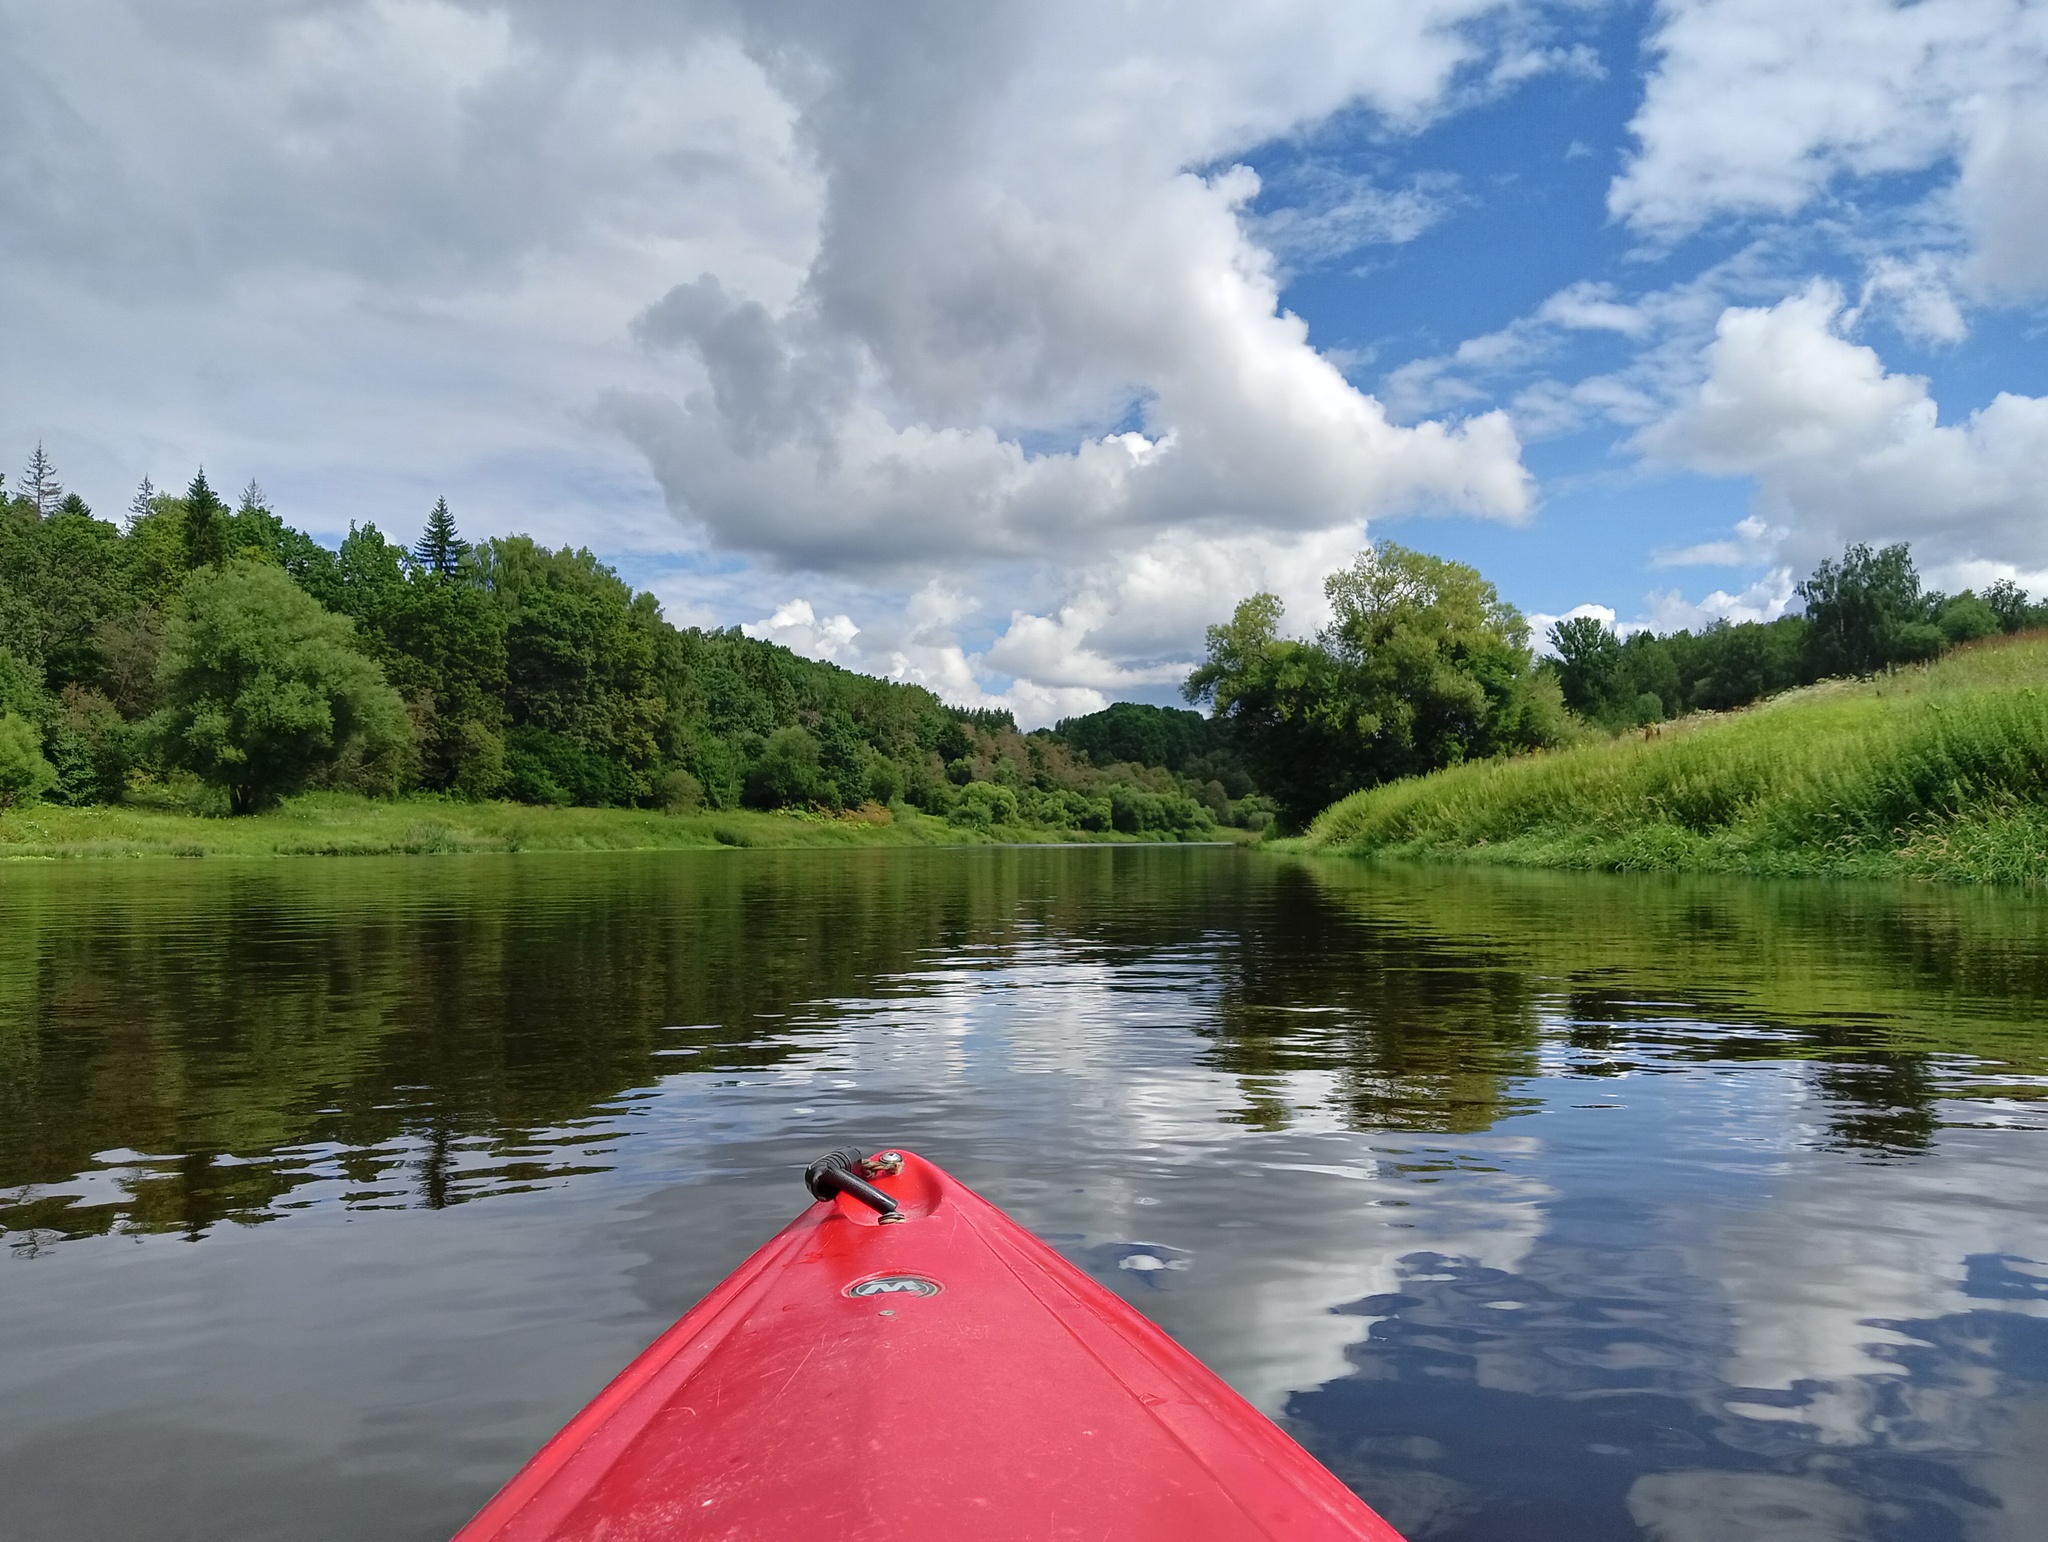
(1864, 613)
(202, 646)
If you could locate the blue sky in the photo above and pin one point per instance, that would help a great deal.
(1005, 348)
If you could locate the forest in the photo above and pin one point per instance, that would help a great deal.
(212, 655)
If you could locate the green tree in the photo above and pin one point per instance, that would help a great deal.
(1136, 732)
(442, 644)
(789, 773)
(1283, 701)
(2014, 607)
(440, 550)
(584, 698)
(91, 747)
(1422, 665)
(1437, 663)
(1867, 611)
(1732, 666)
(21, 687)
(263, 689)
(255, 530)
(129, 646)
(24, 774)
(205, 526)
(1589, 663)
(71, 573)
(25, 714)
(368, 578)
(155, 547)
(1966, 618)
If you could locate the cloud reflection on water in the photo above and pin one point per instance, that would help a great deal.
(1539, 1208)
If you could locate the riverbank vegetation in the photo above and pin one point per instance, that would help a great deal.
(218, 661)
(1936, 770)
(341, 824)
(200, 661)
(1422, 668)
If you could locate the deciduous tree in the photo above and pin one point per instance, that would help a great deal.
(1422, 665)
(263, 688)
(1867, 611)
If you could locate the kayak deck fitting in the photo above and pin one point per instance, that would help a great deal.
(904, 1361)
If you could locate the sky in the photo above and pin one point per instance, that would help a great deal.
(1006, 347)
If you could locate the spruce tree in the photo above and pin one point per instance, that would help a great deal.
(440, 550)
(206, 525)
(39, 484)
(143, 504)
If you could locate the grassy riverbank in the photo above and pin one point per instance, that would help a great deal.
(338, 825)
(1934, 772)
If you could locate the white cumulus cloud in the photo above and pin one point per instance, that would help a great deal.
(1759, 107)
(801, 630)
(1038, 320)
(1039, 345)
(1765, 600)
(1844, 450)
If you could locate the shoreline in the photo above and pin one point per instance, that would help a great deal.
(343, 825)
(1973, 849)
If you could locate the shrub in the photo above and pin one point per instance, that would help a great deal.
(984, 804)
(681, 793)
(24, 775)
(1135, 811)
(1965, 618)
(529, 778)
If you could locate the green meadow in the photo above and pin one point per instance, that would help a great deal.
(1938, 771)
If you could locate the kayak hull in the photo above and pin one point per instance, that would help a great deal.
(945, 1375)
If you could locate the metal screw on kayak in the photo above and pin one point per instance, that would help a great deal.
(837, 1172)
(892, 1218)
(890, 1162)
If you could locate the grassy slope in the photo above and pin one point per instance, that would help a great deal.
(339, 825)
(1935, 772)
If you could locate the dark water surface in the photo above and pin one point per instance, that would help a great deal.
(1540, 1207)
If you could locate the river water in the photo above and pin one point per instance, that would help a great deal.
(1540, 1207)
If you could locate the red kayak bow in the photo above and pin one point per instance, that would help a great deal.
(905, 1362)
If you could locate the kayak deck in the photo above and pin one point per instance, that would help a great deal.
(941, 1375)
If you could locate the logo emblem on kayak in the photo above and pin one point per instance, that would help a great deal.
(895, 1285)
